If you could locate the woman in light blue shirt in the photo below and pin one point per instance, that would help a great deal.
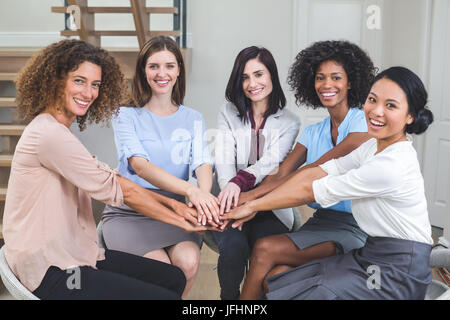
(159, 143)
(335, 75)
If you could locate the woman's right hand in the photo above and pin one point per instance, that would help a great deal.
(228, 197)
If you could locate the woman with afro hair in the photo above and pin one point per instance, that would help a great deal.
(49, 229)
(335, 75)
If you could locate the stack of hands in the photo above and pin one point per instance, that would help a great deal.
(207, 212)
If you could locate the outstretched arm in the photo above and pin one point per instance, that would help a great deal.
(156, 206)
(297, 157)
(205, 202)
(294, 192)
(294, 160)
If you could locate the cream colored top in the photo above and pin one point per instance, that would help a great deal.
(48, 218)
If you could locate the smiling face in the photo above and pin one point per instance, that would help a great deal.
(331, 84)
(256, 81)
(162, 72)
(81, 89)
(387, 112)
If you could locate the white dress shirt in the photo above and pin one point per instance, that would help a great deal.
(386, 189)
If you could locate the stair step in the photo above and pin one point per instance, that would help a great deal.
(2, 194)
(7, 102)
(5, 160)
(122, 33)
(11, 130)
(151, 10)
(8, 76)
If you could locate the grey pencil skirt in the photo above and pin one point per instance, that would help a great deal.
(384, 269)
(129, 231)
(330, 225)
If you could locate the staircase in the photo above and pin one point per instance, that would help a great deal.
(141, 16)
(10, 129)
(12, 60)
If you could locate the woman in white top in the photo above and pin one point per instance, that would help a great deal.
(383, 179)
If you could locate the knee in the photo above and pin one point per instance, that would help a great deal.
(262, 251)
(265, 285)
(189, 264)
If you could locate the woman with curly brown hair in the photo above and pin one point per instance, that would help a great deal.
(335, 75)
(49, 228)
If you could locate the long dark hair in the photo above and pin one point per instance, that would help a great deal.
(416, 95)
(234, 92)
(141, 92)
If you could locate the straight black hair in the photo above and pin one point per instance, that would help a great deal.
(234, 92)
(416, 95)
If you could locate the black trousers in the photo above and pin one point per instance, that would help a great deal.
(120, 276)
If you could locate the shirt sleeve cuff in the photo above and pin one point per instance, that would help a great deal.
(321, 194)
(330, 167)
(129, 168)
(244, 180)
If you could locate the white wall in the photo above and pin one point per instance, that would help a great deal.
(220, 29)
(29, 22)
(405, 34)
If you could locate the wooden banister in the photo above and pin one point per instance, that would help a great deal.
(141, 17)
(87, 23)
(150, 10)
(141, 20)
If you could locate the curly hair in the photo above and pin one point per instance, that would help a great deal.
(356, 63)
(41, 82)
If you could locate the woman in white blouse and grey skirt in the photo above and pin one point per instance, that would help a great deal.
(383, 179)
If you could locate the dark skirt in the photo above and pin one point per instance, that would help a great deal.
(330, 225)
(129, 231)
(385, 268)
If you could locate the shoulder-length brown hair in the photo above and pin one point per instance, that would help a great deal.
(141, 92)
(41, 82)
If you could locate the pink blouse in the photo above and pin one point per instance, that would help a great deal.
(48, 218)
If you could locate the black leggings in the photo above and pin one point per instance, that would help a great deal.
(119, 276)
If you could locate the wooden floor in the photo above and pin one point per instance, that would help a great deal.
(206, 285)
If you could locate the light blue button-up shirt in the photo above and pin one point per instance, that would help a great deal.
(317, 140)
(175, 143)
